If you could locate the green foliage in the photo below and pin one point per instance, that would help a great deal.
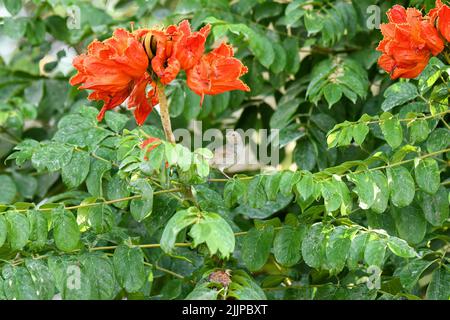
(362, 184)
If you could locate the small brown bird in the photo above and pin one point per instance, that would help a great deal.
(226, 156)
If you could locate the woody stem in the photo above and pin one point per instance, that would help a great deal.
(164, 112)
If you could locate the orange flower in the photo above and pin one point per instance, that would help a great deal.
(409, 41)
(442, 14)
(177, 48)
(189, 46)
(115, 69)
(217, 72)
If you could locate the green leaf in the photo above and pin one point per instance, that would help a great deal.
(176, 102)
(65, 230)
(178, 222)
(290, 44)
(287, 245)
(366, 189)
(3, 230)
(129, 267)
(26, 184)
(284, 113)
(142, 208)
(375, 251)
(258, 198)
(392, 129)
(9, 189)
(332, 93)
(52, 156)
(313, 22)
(213, 230)
(243, 287)
(382, 195)
(256, 246)
(418, 130)
(95, 176)
(80, 131)
(356, 251)
(115, 120)
(76, 171)
(306, 186)
(410, 274)
(39, 228)
(202, 292)
(337, 249)
(401, 186)
(233, 191)
(331, 195)
(117, 188)
(42, 278)
(435, 207)
(305, 155)
(279, 62)
(184, 157)
(262, 48)
(314, 246)
(360, 132)
(397, 94)
(19, 230)
(410, 223)
(13, 6)
(18, 284)
(100, 271)
(272, 185)
(439, 287)
(427, 175)
(400, 247)
(100, 218)
(438, 140)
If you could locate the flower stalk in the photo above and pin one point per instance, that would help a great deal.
(164, 113)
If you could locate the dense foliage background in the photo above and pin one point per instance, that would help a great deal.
(358, 208)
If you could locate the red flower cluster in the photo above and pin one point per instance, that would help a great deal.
(410, 39)
(441, 14)
(121, 67)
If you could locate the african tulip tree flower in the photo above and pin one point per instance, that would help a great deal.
(177, 48)
(217, 72)
(441, 14)
(114, 70)
(124, 65)
(409, 41)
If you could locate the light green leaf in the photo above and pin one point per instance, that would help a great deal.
(287, 245)
(439, 287)
(375, 251)
(392, 129)
(178, 222)
(256, 246)
(19, 230)
(314, 246)
(435, 207)
(400, 247)
(401, 186)
(213, 230)
(427, 175)
(76, 171)
(129, 267)
(397, 94)
(9, 189)
(65, 230)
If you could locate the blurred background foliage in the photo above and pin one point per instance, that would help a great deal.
(312, 66)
